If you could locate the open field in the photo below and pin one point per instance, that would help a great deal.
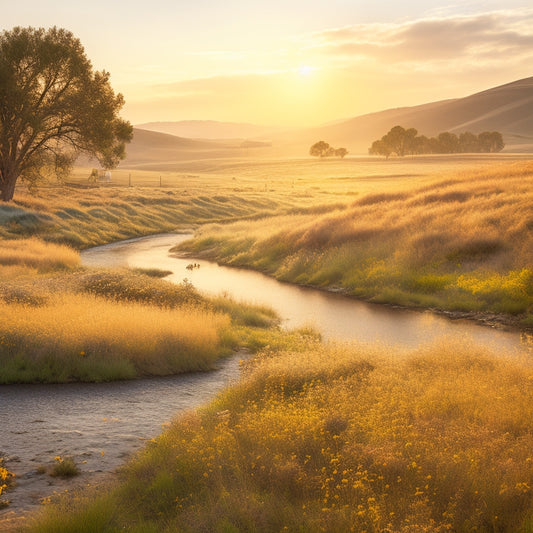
(455, 241)
(183, 195)
(336, 439)
(315, 437)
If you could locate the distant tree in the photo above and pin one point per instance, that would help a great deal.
(341, 152)
(409, 143)
(395, 139)
(491, 141)
(398, 140)
(320, 149)
(448, 143)
(380, 147)
(421, 145)
(468, 143)
(53, 107)
(323, 149)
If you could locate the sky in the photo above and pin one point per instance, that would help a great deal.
(290, 62)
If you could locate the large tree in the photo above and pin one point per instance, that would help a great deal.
(53, 107)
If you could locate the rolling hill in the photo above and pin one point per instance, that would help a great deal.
(507, 109)
(150, 150)
(209, 129)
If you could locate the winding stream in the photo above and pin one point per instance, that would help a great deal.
(337, 317)
(99, 425)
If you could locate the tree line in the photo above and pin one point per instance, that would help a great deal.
(401, 141)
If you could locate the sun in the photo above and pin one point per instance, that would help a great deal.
(305, 70)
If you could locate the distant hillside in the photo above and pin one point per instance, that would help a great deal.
(208, 129)
(151, 150)
(507, 109)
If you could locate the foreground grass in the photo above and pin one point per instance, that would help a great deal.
(75, 337)
(320, 438)
(460, 244)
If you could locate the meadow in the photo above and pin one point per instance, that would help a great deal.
(190, 194)
(314, 437)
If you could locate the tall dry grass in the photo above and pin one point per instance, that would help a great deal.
(77, 337)
(463, 243)
(217, 191)
(339, 439)
(107, 324)
(37, 254)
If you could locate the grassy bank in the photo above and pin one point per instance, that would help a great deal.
(62, 322)
(82, 215)
(337, 439)
(463, 243)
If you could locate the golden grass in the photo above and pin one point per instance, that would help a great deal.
(216, 191)
(78, 337)
(463, 243)
(106, 324)
(322, 438)
(35, 253)
(340, 439)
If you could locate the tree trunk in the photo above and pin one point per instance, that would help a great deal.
(8, 180)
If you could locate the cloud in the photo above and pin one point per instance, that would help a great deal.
(500, 35)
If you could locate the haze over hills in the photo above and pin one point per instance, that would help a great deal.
(150, 150)
(209, 129)
(507, 109)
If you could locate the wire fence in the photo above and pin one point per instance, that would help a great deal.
(128, 178)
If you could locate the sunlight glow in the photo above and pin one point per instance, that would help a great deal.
(305, 70)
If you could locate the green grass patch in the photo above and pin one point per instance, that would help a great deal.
(64, 467)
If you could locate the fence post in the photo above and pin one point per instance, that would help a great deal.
(129, 180)
(160, 183)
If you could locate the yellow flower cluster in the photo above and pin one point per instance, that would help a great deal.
(325, 440)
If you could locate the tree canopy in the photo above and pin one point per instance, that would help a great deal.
(323, 149)
(402, 142)
(53, 107)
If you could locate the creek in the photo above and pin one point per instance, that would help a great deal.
(101, 424)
